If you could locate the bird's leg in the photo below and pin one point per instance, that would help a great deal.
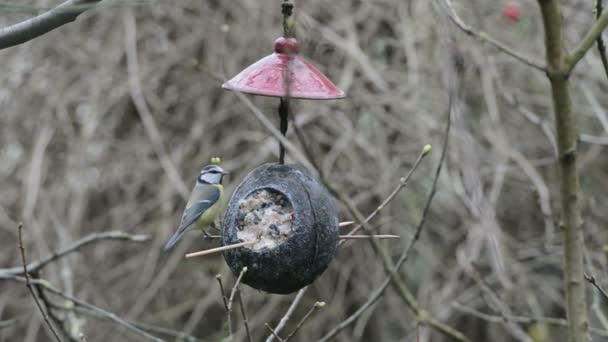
(207, 235)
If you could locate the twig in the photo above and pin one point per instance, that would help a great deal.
(231, 299)
(7, 323)
(101, 312)
(592, 281)
(294, 152)
(225, 301)
(591, 37)
(235, 287)
(422, 316)
(488, 39)
(520, 319)
(147, 119)
(221, 249)
(285, 317)
(76, 246)
(29, 29)
(402, 183)
(600, 42)
(273, 333)
(315, 307)
(244, 314)
(29, 284)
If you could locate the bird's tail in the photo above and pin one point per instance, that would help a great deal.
(178, 235)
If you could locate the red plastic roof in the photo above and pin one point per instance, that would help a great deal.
(266, 77)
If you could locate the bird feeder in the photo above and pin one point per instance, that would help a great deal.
(280, 225)
(280, 216)
(289, 224)
(285, 74)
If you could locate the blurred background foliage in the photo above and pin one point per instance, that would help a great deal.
(76, 158)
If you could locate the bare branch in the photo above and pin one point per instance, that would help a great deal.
(422, 316)
(315, 307)
(244, 314)
(231, 300)
(95, 237)
(29, 285)
(488, 39)
(285, 317)
(592, 281)
(32, 28)
(103, 313)
(273, 333)
(402, 183)
(591, 37)
(601, 47)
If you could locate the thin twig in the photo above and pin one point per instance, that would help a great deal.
(315, 307)
(592, 281)
(520, 319)
(244, 314)
(422, 316)
(286, 317)
(221, 249)
(101, 312)
(600, 42)
(230, 301)
(587, 42)
(225, 301)
(223, 292)
(273, 333)
(402, 183)
(488, 39)
(76, 246)
(7, 323)
(30, 287)
(147, 119)
(235, 288)
(27, 30)
(261, 117)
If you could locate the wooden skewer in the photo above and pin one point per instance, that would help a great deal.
(354, 237)
(345, 224)
(253, 242)
(221, 249)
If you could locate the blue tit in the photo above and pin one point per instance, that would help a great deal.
(204, 205)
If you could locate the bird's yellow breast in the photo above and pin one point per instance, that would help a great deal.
(211, 214)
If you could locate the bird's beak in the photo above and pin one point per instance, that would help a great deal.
(225, 173)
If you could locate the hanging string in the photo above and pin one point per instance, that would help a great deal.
(287, 9)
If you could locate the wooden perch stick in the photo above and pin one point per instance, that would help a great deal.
(221, 249)
(354, 237)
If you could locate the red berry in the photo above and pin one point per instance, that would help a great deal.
(286, 45)
(511, 11)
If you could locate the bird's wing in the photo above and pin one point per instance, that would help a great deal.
(201, 199)
(194, 210)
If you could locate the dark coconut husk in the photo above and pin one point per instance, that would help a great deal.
(293, 216)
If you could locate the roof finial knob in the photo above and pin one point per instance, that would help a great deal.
(286, 45)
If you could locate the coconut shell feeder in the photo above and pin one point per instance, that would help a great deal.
(291, 217)
(281, 223)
